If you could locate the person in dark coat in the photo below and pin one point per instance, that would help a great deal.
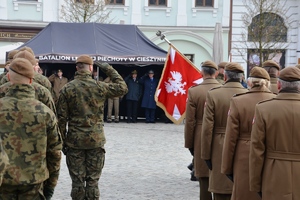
(133, 96)
(150, 83)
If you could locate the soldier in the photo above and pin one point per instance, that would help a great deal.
(10, 57)
(213, 129)
(31, 138)
(58, 82)
(274, 149)
(193, 123)
(273, 70)
(220, 77)
(80, 106)
(4, 162)
(42, 80)
(133, 96)
(235, 158)
(112, 103)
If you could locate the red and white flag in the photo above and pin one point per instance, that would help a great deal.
(178, 75)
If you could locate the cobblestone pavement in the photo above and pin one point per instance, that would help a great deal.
(143, 161)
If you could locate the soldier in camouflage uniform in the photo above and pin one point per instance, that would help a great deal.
(38, 78)
(10, 57)
(81, 105)
(31, 138)
(3, 161)
(41, 93)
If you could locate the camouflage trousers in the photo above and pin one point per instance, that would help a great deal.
(24, 192)
(85, 167)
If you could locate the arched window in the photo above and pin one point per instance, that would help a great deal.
(267, 27)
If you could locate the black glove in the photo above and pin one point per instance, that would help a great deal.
(209, 164)
(48, 192)
(260, 194)
(65, 149)
(230, 176)
(192, 151)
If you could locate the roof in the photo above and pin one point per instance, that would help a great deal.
(62, 42)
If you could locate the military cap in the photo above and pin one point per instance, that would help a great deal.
(134, 72)
(7, 62)
(27, 55)
(222, 64)
(85, 59)
(298, 66)
(271, 63)
(59, 70)
(27, 49)
(151, 72)
(290, 74)
(11, 54)
(235, 67)
(210, 64)
(22, 66)
(258, 72)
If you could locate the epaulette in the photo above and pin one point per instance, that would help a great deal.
(194, 86)
(216, 87)
(263, 101)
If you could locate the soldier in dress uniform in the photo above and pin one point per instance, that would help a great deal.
(213, 129)
(274, 150)
(58, 81)
(235, 158)
(31, 138)
(80, 107)
(193, 123)
(220, 76)
(273, 70)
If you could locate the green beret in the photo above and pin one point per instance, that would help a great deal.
(85, 59)
(22, 66)
(222, 65)
(290, 74)
(27, 55)
(27, 49)
(134, 72)
(258, 72)
(210, 64)
(271, 63)
(235, 67)
(11, 54)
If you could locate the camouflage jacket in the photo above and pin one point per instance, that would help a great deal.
(2, 75)
(3, 161)
(31, 138)
(38, 78)
(81, 105)
(41, 94)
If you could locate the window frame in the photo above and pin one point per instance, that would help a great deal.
(115, 3)
(204, 4)
(157, 3)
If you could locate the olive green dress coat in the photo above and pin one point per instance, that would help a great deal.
(274, 162)
(235, 157)
(193, 122)
(213, 132)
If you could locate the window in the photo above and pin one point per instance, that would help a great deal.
(85, 1)
(190, 57)
(157, 2)
(267, 27)
(205, 3)
(117, 2)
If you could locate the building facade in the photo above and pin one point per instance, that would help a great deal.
(188, 25)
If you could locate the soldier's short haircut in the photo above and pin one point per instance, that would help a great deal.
(295, 85)
(272, 71)
(234, 75)
(82, 65)
(208, 71)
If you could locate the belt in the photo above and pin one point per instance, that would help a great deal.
(279, 155)
(220, 130)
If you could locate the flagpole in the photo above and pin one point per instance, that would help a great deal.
(162, 36)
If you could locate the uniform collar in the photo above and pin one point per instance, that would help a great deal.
(83, 74)
(21, 91)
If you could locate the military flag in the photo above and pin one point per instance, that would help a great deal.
(178, 75)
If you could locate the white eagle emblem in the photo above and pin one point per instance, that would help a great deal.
(175, 84)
